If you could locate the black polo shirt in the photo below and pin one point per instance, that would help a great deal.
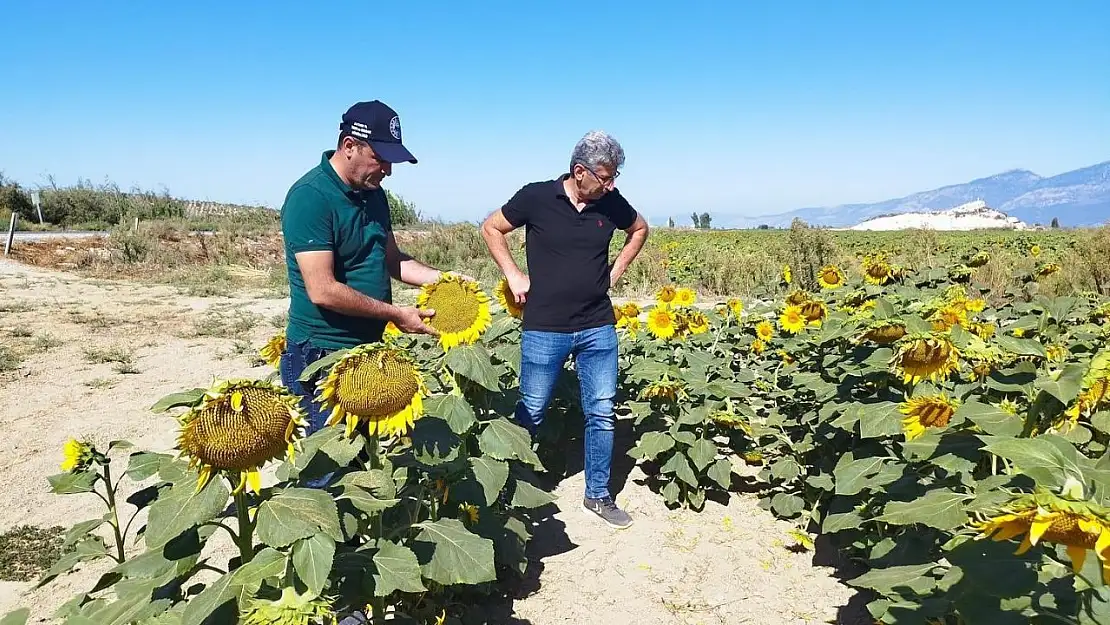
(568, 254)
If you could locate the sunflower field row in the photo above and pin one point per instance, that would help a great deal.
(949, 438)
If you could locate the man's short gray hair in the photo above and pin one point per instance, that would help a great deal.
(598, 149)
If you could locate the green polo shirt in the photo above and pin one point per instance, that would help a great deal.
(321, 212)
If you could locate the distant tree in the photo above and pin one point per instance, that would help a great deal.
(764, 227)
(1055, 222)
(401, 212)
(697, 220)
(705, 221)
(670, 222)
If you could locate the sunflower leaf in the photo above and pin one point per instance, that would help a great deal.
(651, 444)
(175, 400)
(879, 420)
(504, 440)
(1066, 387)
(363, 500)
(1021, 347)
(312, 559)
(992, 419)
(721, 473)
(72, 483)
(454, 410)
(499, 328)
(144, 464)
(297, 513)
(1048, 459)
(473, 362)
(451, 554)
(891, 580)
(396, 569)
(941, 508)
(316, 366)
(491, 474)
(181, 508)
(16, 617)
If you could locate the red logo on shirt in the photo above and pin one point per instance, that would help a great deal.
(599, 224)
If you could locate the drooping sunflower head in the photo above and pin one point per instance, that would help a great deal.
(815, 311)
(238, 426)
(960, 273)
(792, 320)
(925, 356)
(661, 322)
(76, 455)
(292, 608)
(377, 385)
(984, 329)
(798, 297)
(736, 306)
(1047, 269)
(630, 309)
(885, 332)
(758, 346)
(507, 300)
(697, 322)
(876, 269)
(926, 411)
(765, 331)
(665, 294)
(1081, 526)
(665, 390)
(461, 309)
(830, 277)
(271, 351)
(980, 259)
(684, 297)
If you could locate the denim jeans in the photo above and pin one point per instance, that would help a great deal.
(542, 355)
(294, 359)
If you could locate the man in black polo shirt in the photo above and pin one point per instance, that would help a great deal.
(569, 223)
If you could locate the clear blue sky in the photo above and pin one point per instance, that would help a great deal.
(728, 107)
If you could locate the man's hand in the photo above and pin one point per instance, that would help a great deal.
(460, 275)
(519, 284)
(410, 320)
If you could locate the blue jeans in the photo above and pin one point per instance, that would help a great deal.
(294, 359)
(542, 355)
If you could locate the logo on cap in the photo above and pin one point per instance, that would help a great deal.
(395, 127)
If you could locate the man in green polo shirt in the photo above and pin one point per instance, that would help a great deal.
(340, 251)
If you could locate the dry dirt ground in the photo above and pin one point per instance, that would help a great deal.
(99, 353)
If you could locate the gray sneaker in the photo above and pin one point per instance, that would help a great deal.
(607, 509)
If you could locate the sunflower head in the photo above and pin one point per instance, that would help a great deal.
(736, 306)
(507, 300)
(1047, 269)
(885, 332)
(954, 314)
(376, 384)
(765, 331)
(238, 426)
(1035, 251)
(76, 455)
(814, 311)
(271, 351)
(684, 297)
(697, 322)
(630, 309)
(664, 390)
(1081, 526)
(758, 346)
(926, 411)
(876, 269)
(792, 320)
(787, 275)
(830, 277)
(798, 297)
(979, 260)
(461, 309)
(292, 608)
(925, 356)
(665, 294)
(661, 322)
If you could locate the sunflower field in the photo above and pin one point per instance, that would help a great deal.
(948, 438)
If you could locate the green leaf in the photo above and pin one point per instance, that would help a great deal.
(72, 483)
(991, 419)
(527, 495)
(651, 444)
(145, 464)
(16, 617)
(851, 475)
(377, 481)
(1047, 462)
(473, 362)
(879, 420)
(841, 521)
(175, 400)
(499, 328)
(702, 453)
(491, 474)
(787, 505)
(680, 466)
(1066, 387)
(433, 442)
(451, 554)
(721, 473)
(312, 559)
(895, 580)
(297, 513)
(364, 500)
(319, 365)
(238, 585)
(454, 410)
(81, 530)
(940, 508)
(671, 492)
(1021, 347)
(183, 508)
(694, 416)
(504, 440)
(397, 569)
(786, 469)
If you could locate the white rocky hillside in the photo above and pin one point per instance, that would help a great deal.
(971, 216)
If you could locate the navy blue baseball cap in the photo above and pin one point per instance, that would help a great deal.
(378, 125)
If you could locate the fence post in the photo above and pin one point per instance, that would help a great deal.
(11, 235)
(37, 201)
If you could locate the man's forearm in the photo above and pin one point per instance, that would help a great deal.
(343, 299)
(499, 249)
(632, 246)
(415, 273)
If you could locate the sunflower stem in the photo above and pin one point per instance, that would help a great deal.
(245, 539)
(373, 448)
(112, 508)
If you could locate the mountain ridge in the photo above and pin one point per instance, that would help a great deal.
(1080, 197)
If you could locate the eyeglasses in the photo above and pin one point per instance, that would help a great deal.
(604, 181)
